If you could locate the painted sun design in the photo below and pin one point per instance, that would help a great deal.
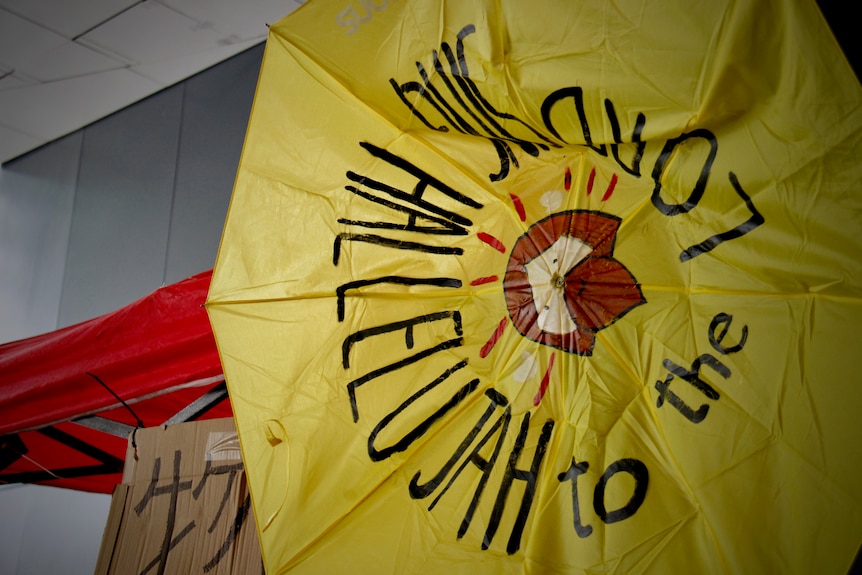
(562, 283)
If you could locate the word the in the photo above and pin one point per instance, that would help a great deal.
(717, 331)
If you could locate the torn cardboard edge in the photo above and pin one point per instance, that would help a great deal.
(183, 505)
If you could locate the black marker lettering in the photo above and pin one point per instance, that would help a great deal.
(639, 472)
(238, 522)
(351, 387)
(513, 473)
(692, 377)
(577, 94)
(407, 325)
(700, 185)
(169, 541)
(462, 107)
(446, 223)
(502, 424)
(724, 320)
(341, 291)
(640, 122)
(712, 242)
(390, 243)
(572, 474)
(379, 454)
(420, 491)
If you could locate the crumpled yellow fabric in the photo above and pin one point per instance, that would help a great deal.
(548, 287)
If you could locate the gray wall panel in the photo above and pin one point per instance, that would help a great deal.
(94, 221)
(122, 208)
(59, 529)
(36, 196)
(216, 107)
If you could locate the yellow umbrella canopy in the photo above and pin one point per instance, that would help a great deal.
(548, 287)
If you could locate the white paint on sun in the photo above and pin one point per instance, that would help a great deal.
(546, 275)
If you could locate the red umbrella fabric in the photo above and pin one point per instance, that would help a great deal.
(70, 398)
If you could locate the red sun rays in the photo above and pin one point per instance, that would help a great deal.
(503, 323)
(608, 192)
(519, 207)
(484, 280)
(546, 379)
(492, 241)
(500, 247)
(495, 337)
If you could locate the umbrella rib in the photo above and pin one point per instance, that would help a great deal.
(752, 293)
(678, 469)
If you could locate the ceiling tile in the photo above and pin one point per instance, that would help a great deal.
(67, 17)
(151, 32)
(243, 20)
(11, 81)
(20, 40)
(67, 61)
(170, 72)
(54, 109)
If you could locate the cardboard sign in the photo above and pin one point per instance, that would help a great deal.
(183, 506)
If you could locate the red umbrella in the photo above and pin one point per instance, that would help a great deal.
(70, 398)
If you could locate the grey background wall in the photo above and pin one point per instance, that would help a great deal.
(94, 221)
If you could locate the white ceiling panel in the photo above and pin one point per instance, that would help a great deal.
(67, 63)
(169, 72)
(228, 17)
(152, 32)
(69, 18)
(10, 81)
(21, 40)
(52, 109)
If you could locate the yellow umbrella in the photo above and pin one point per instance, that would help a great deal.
(548, 287)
